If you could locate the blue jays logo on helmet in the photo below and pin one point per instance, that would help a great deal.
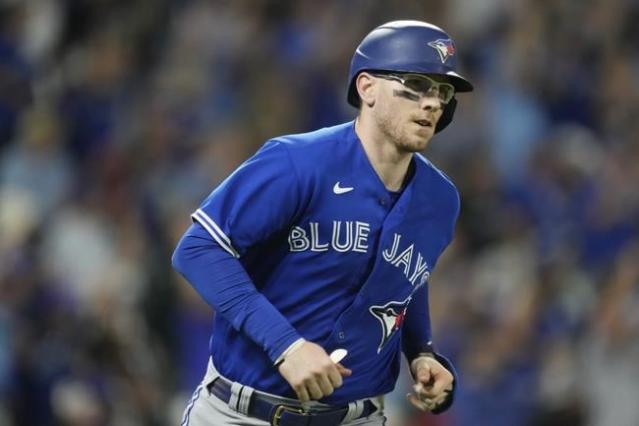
(444, 47)
(390, 316)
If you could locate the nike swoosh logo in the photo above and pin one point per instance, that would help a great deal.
(342, 190)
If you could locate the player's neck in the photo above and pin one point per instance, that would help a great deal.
(390, 164)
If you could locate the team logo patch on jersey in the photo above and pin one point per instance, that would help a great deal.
(444, 47)
(390, 316)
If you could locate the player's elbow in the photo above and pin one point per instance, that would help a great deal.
(192, 252)
(179, 259)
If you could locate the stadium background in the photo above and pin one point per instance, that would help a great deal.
(117, 117)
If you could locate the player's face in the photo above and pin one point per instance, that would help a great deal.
(408, 108)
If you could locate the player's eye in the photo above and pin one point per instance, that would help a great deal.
(417, 84)
(425, 85)
(446, 92)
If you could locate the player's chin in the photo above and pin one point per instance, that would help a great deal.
(412, 147)
(418, 142)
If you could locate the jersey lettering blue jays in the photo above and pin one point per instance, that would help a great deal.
(324, 241)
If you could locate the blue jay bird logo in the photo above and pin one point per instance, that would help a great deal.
(390, 316)
(444, 47)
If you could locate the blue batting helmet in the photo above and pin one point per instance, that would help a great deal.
(409, 46)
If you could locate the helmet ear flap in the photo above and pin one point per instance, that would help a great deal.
(447, 115)
(353, 96)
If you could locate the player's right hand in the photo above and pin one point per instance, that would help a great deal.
(311, 372)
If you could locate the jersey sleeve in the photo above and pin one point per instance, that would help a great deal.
(416, 333)
(260, 198)
(225, 285)
(417, 338)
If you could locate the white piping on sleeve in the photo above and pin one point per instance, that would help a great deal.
(222, 239)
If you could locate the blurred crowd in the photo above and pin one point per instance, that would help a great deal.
(117, 117)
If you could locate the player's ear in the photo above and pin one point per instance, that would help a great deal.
(366, 88)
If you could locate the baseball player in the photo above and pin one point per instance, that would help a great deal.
(316, 252)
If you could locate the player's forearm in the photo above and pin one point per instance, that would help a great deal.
(222, 281)
(417, 339)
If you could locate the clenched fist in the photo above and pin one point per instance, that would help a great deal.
(433, 383)
(311, 373)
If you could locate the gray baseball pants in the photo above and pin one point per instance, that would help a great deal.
(205, 409)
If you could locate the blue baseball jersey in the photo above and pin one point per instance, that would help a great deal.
(343, 260)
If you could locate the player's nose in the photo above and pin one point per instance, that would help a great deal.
(430, 103)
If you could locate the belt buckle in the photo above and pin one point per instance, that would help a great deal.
(282, 408)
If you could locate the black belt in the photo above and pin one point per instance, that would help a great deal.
(283, 414)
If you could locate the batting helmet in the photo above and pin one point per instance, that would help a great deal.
(409, 46)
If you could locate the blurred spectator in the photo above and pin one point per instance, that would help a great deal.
(16, 89)
(611, 347)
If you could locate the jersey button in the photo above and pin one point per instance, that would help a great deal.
(341, 335)
(382, 201)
